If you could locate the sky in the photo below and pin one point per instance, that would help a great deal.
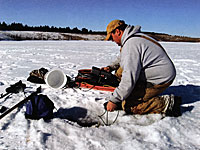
(175, 17)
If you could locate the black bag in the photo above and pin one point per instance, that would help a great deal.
(37, 76)
(39, 106)
(96, 76)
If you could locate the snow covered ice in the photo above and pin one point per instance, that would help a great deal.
(147, 132)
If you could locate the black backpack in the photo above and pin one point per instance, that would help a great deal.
(39, 106)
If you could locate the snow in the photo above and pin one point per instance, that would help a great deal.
(19, 58)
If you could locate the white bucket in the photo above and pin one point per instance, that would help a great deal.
(55, 79)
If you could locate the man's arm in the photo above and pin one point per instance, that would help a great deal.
(131, 65)
(113, 66)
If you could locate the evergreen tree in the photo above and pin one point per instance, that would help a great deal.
(20, 27)
(3, 26)
(84, 30)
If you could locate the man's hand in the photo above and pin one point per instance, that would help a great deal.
(107, 69)
(111, 106)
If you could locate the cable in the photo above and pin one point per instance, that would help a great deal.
(107, 123)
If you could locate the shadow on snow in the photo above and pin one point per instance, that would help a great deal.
(189, 94)
(78, 115)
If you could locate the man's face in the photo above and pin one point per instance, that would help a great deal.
(116, 36)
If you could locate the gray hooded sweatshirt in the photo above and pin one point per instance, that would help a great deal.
(141, 58)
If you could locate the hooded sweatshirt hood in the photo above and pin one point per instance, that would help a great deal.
(129, 31)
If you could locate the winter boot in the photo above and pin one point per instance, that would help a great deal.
(173, 108)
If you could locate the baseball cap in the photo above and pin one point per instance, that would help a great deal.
(112, 26)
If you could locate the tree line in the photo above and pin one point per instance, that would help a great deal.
(20, 27)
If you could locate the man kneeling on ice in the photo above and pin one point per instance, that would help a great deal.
(144, 70)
